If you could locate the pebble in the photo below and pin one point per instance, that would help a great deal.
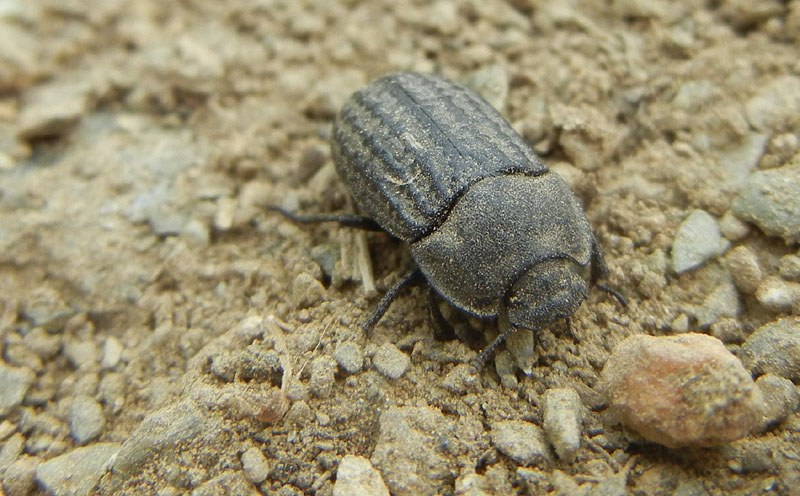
(698, 240)
(86, 420)
(82, 354)
(732, 228)
(160, 432)
(769, 199)
(255, 466)
(776, 106)
(349, 357)
(356, 475)
(781, 398)
(685, 390)
(522, 347)
(521, 441)
(461, 380)
(789, 267)
(44, 344)
(18, 477)
(322, 378)
(562, 415)
(410, 452)
(299, 413)
(472, 484)
(306, 291)
(14, 385)
(77, 472)
(721, 303)
(390, 361)
(112, 353)
(774, 348)
(778, 295)
(743, 266)
(53, 109)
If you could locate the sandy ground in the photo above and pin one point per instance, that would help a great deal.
(149, 300)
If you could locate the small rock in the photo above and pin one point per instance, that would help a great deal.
(521, 441)
(227, 482)
(356, 475)
(226, 213)
(727, 330)
(472, 484)
(781, 398)
(86, 420)
(322, 379)
(53, 109)
(390, 361)
(680, 324)
(82, 354)
(312, 159)
(112, 353)
(697, 241)
(778, 295)
(349, 357)
(774, 348)
(306, 291)
(255, 466)
(18, 477)
(77, 472)
(299, 413)
(160, 432)
(491, 82)
(461, 380)
(732, 228)
(776, 106)
(14, 385)
(562, 419)
(721, 303)
(412, 437)
(743, 266)
(789, 267)
(685, 390)
(769, 199)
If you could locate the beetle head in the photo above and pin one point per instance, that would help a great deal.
(550, 290)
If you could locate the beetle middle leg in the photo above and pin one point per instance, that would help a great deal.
(412, 277)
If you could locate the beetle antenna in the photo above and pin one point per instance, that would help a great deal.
(613, 292)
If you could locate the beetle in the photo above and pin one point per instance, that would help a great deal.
(491, 229)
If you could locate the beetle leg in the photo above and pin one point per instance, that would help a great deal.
(487, 352)
(613, 292)
(412, 277)
(349, 220)
(442, 330)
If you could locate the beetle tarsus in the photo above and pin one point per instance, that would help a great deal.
(412, 277)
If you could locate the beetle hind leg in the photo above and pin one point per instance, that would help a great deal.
(442, 329)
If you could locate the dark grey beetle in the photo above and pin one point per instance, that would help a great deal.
(491, 229)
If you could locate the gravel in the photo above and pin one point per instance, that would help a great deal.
(744, 268)
(349, 357)
(86, 420)
(778, 295)
(685, 390)
(14, 385)
(523, 442)
(390, 361)
(697, 241)
(410, 454)
(776, 106)
(76, 473)
(769, 199)
(781, 398)
(774, 348)
(356, 475)
(255, 466)
(322, 378)
(562, 414)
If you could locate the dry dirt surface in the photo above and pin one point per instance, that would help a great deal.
(163, 332)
